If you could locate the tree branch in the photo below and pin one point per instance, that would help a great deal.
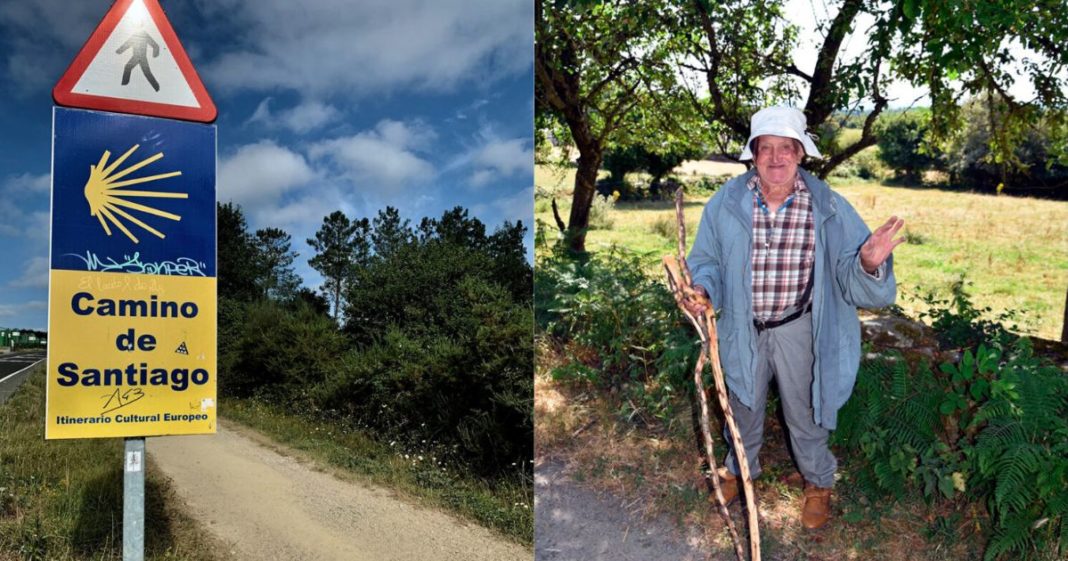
(820, 98)
(556, 216)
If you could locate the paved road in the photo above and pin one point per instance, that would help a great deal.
(14, 368)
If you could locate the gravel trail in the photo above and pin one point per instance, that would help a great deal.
(272, 506)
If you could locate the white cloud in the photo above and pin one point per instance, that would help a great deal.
(494, 158)
(261, 173)
(472, 107)
(42, 37)
(385, 158)
(34, 274)
(374, 46)
(18, 193)
(513, 206)
(304, 212)
(481, 177)
(26, 185)
(303, 118)
(10, 310)
(507, 157)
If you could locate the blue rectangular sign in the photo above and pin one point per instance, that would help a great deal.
(132, 194)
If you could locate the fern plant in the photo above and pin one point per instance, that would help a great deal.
(991, 428)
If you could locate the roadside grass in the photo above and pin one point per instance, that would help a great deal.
(506, 506)
(62, 499)
(1013, 250)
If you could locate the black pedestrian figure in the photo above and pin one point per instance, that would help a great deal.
(139, 43)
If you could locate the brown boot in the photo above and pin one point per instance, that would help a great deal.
(730, 485)
(816, 509)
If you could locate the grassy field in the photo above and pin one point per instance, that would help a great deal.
(504, 506)
(62, 500)
(1014, 250)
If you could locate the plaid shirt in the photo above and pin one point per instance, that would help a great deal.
(784, 250)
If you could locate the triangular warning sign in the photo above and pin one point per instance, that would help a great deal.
(134, 63)
(182, 349)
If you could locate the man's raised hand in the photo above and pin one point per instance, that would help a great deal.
(881, 244)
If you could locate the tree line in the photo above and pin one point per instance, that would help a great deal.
(662, 73)
(421, 332)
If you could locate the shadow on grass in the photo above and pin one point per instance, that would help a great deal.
(99, 526)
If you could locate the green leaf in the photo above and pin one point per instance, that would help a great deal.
(909, 9)
(967, 366)
(979, 389)
(947, 407)
(945, 485)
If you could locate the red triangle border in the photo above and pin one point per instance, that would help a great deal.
(63, 92)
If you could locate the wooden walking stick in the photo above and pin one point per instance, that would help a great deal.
(681, 284)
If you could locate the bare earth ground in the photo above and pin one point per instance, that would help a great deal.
(646, 481)
(272, 506)
(575, 523)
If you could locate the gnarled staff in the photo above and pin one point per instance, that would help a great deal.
(681, 284)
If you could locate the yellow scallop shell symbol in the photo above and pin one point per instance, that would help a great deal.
(106, 195)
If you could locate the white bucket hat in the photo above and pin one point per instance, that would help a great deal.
(779, 121)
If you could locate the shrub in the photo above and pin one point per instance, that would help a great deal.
(656, 162)
(957, 323)
(991, 427)
(704, 186)
(864, 165)
(601, 211)
(902, 144)
(466, 385)
(275, 352)
(1032, 159)
(666, 225)
(618, 327)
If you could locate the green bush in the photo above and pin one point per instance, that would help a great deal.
(601, 211)
(1031, 159)
(275, 351)
(465, 388)
(991, 427)
(666, 225)
(619, 328)
(436, 350)
(902, 142)
(704, 186)
(864, 165)
(957, 323)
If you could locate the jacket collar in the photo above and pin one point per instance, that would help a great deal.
(822, 201)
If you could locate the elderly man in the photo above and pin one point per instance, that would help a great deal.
(785, 261)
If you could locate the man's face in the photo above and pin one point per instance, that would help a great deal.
(776, 159)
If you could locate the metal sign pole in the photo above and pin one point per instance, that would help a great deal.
(133, 501)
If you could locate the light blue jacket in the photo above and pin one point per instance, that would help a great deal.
(720, 261)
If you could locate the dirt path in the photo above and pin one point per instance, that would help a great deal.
(573, 523)
(273, 507)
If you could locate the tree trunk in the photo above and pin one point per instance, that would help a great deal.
(337, 302)
(589, 163)
(1064, 329)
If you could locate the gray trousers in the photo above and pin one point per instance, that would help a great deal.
(785, 353)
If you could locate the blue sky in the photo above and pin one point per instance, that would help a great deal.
(323, 105)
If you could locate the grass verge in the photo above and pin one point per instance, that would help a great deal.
(62, 499)
(505, 506)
